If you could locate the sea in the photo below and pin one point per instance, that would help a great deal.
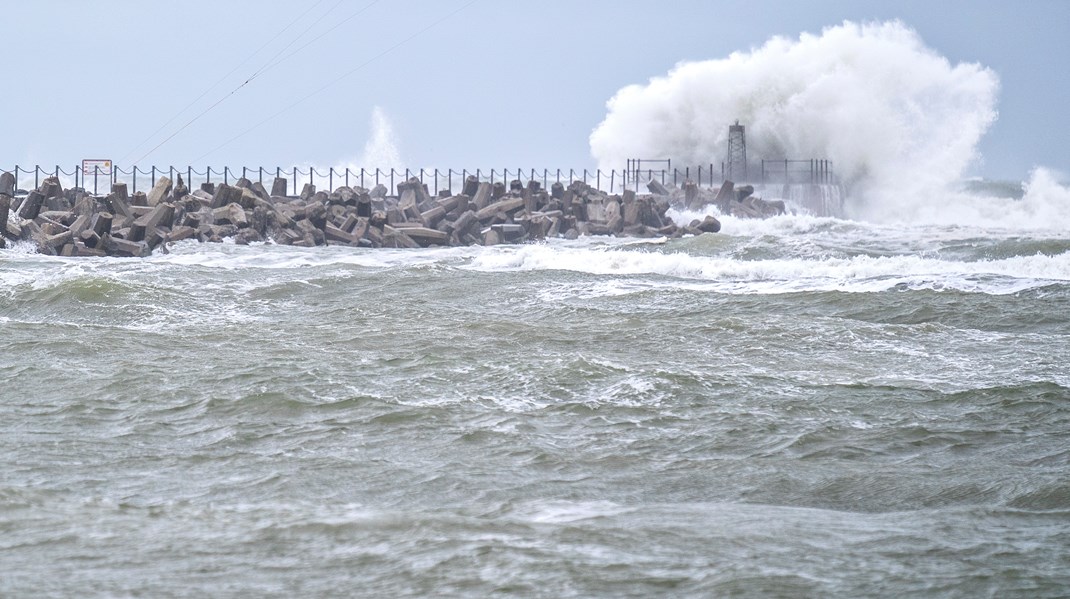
(793, 407)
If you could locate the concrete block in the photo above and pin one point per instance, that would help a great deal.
(657, 188)
(231, 214)
(31, 206)
(471, 184)
(483, 195)
(7, 184)
(158, 192)
(83, 251)
(432, 217)
(337, 235)
(127, 248)
(396, 238)
(509, 233)
(426, 237)
(503, 206)
(163, 215)
(258, 189)
(225, 194)
(279, 187)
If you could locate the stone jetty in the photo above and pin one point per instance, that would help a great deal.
(70, 222)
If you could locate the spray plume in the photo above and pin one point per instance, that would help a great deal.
(897, 119)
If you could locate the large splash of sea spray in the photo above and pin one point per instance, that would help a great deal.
(381, 150)
(899, 121)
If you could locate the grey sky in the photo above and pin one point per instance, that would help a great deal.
(497, 84)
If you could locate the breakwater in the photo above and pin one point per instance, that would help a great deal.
(72, 222)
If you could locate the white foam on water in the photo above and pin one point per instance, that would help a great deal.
(564, 512)
(785, 275)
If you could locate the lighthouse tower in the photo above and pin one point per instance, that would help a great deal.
(736, 166)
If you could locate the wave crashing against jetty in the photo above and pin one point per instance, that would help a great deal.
(74, 223)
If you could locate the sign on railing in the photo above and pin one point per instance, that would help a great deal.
(96, 166)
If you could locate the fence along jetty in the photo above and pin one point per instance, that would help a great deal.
(72, 222)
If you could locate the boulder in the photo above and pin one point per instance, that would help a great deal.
(709, 225)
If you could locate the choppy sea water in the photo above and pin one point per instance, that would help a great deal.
(798, 407)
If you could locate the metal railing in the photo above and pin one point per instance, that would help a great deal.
(98, 181)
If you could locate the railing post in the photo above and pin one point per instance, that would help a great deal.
(613, 177)
(347, 176)
(330, 179)
(96, 171)
(36, 176)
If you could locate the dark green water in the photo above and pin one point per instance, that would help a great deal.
(813, 408)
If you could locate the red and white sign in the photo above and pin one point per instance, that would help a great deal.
(96, 166)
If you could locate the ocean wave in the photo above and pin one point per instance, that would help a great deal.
(727, 275)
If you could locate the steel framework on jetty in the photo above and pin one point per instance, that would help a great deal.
(736, 167)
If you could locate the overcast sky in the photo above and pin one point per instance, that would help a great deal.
(465, 84)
